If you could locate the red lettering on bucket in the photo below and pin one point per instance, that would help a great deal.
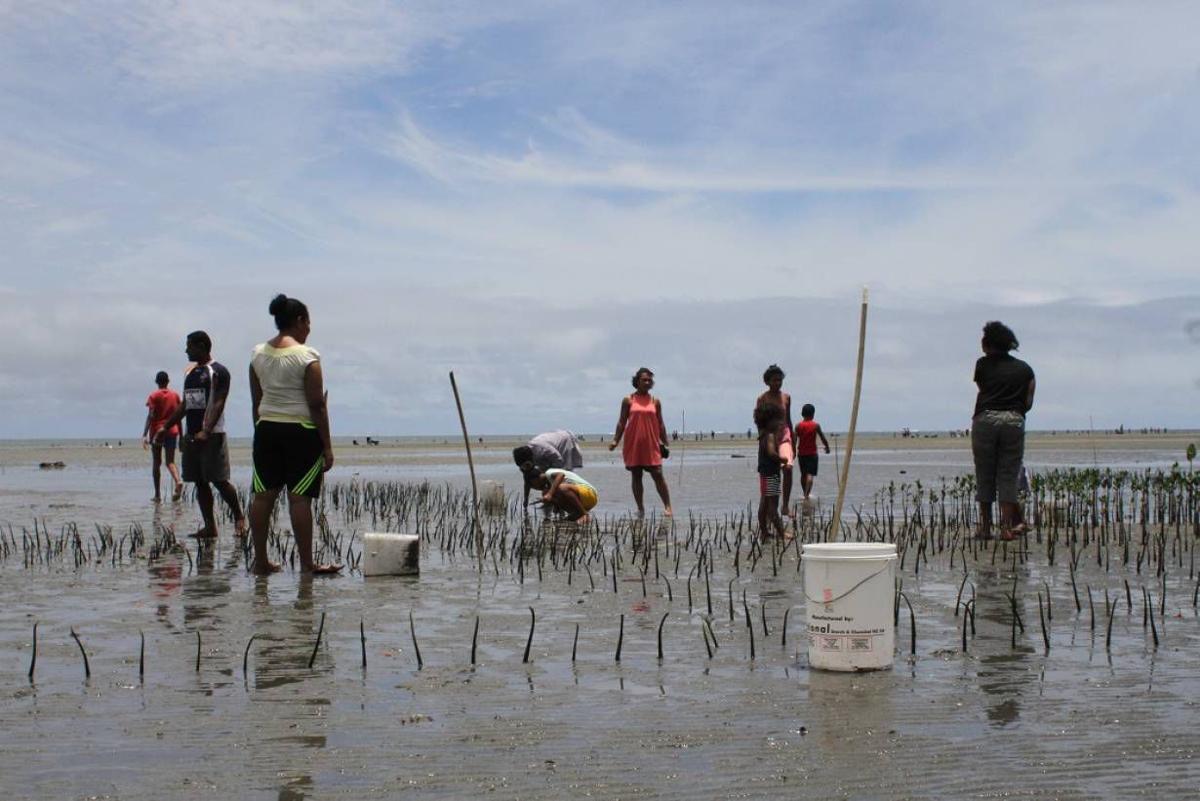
(828, 595)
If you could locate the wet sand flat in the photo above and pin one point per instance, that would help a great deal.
(1088, 718)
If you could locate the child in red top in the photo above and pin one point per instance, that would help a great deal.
(162, 404)
(807, 431)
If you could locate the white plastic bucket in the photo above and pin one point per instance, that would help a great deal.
(849, 589)
(386, 554)
(492, 498)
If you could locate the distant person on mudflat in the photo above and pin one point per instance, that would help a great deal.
(205, 452)
(292, 445)
(775, 396)
(641, 425)
(162, 405)
(1006, 386)
(807, 431)
(567, 492)
(554, 449)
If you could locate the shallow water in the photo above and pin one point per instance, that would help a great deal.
(1077, 722)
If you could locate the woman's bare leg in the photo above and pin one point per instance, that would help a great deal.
(660, 483)
(260, 523)
(1011, 518)
(635, 477)
(300, 510)
(985, 520)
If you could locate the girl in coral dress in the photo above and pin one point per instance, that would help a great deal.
(641, 424)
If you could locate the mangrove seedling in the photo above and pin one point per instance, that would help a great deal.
(33, 654)
(412, 629)
(660, 633)
(529, 641)
(316, 645)
(87, 669)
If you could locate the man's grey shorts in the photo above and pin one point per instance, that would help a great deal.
(998, 443)
(207, 461)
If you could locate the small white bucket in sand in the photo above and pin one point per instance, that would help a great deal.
(849, 589)
(386, 554)
(492, 499)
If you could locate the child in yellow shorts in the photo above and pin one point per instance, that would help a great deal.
(568, 492)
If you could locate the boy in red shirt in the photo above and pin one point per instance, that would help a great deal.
(162, 404)
(807, 431)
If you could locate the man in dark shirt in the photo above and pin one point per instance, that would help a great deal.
(205, 453)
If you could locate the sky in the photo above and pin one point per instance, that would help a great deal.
(544, 196)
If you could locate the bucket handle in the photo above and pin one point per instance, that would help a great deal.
(823, 602)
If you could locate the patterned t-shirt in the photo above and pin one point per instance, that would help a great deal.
(203, 384)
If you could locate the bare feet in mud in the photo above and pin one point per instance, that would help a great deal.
(323, 570)
(266, 568)
(240, 527)
(1014, 533)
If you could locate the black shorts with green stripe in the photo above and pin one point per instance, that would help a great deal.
(287, 455)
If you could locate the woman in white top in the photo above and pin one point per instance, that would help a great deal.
(292, 447)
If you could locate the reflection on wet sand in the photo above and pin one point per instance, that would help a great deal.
(1004, 675)
(206, 590)
(285, 646)
(846, 702)
(286, 633)
(296, 789)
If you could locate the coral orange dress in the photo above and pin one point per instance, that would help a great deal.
(641, 437)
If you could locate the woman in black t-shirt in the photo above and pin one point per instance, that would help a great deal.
(1006, 385)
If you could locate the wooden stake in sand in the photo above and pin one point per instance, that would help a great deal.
(841, 496)
(470, 466)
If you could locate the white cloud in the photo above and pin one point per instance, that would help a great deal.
(523, 363)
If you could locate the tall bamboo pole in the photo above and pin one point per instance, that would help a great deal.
(470, 466)
(841, 497)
